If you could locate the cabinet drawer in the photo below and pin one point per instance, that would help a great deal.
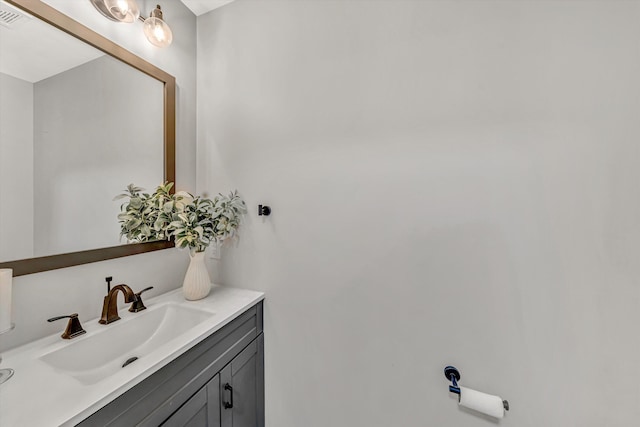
(157, 397)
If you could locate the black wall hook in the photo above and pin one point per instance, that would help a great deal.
(264, 210)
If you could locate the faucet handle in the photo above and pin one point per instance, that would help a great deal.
(74, 328)
(138, 305)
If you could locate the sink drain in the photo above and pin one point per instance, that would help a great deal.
(130, 360)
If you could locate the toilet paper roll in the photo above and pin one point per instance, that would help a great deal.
(6, 277)
(482, 402)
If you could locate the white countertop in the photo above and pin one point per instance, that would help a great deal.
(39, 395)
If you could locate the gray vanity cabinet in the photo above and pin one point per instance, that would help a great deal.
(217, 383)
(233, 398)
(202, 409)
(241, 392)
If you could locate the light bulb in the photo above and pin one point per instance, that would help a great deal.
(157, 31)
(123, 6)
(123, 10)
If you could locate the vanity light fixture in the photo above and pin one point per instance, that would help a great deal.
(118, 10)
(155, 29)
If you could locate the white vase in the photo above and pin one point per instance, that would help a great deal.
(197, 283)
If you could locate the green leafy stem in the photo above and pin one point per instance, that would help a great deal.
(195, 222)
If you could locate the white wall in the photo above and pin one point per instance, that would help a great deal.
(37, 297)
(88, 151)
(16, 168)
(452, 182)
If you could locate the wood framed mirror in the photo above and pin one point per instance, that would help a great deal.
(165, 131)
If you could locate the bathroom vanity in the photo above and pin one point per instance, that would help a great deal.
(185, 364)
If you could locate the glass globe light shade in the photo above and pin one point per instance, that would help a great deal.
(158, 32)
(123, 10)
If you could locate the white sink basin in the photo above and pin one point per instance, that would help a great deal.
(101, 354)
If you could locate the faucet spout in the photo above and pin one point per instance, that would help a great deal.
(110, 306)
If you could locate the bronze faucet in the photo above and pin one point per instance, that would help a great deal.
(138, 305)
(74, 328)
(110, 307)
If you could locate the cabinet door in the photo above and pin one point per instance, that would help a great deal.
(201, 410)
(242, 388)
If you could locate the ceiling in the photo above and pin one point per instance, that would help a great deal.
(32, 50)
(199, 7)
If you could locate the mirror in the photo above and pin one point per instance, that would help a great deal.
(80, 118)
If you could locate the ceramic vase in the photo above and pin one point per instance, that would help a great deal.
(197, 283)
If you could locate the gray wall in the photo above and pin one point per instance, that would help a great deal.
(16, 168)
(452, 182)
(81, 289)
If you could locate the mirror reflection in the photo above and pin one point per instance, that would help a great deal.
(76, 126)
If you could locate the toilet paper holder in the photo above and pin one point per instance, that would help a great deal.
(453, 375)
